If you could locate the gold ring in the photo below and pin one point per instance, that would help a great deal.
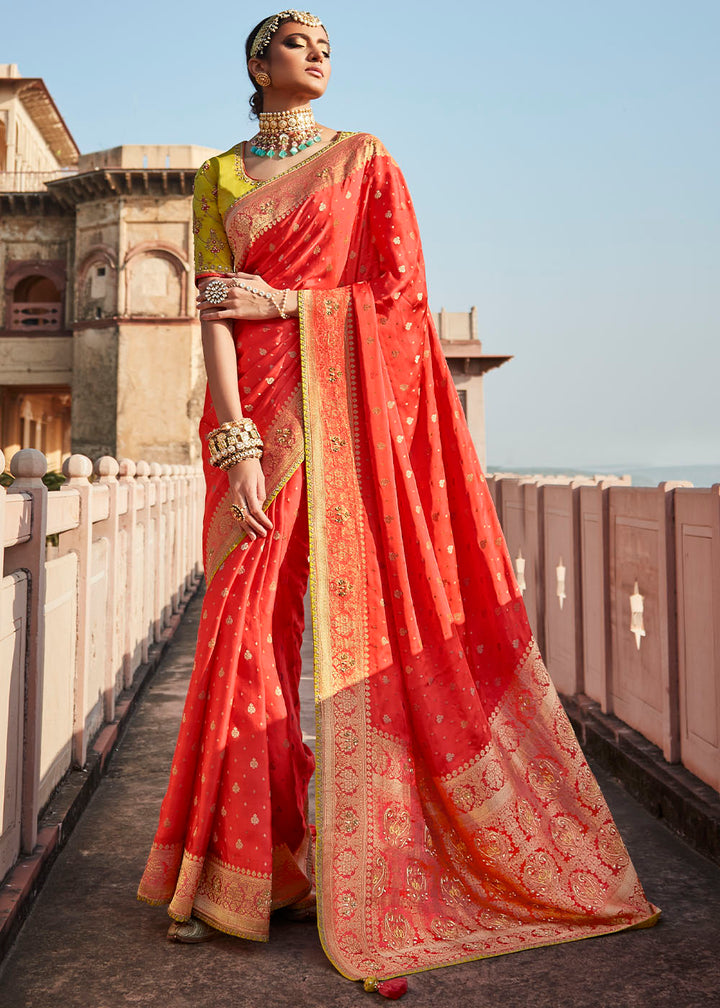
(238, 512)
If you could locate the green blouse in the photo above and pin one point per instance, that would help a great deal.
(219, 183)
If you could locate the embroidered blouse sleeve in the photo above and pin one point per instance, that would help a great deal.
(212, 251)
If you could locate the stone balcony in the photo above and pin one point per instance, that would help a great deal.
(36, 317)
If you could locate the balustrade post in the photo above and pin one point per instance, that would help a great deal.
(596, 600)
(77, 469)
(106, 469)
(671, 745)
(170, 599)
(145, 521)
(199, 492)
(187, 543)
(180, 559)
(192, 517)
(181, 538)
(159, 573)
(129, 638)
(190, 484)
(183, 528)
(28, 466)
(196, 522)
(192, 522)
(191, 512)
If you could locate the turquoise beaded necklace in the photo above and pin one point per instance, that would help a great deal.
(283, 134)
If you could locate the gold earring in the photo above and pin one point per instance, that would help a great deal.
(262, 79)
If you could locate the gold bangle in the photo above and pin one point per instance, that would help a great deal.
(232, 440)
(234, 428)
(241, 423)
(253, 450)
(233, 460)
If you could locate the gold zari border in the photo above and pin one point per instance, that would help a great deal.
(231, 899)
(516, 849)
(258, 210)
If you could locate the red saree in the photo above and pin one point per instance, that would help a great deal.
(456, 815)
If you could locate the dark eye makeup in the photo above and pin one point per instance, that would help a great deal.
(292, 43)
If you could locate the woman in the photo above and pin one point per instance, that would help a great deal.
(456, 815)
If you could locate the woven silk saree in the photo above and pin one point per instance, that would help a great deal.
(456, 815)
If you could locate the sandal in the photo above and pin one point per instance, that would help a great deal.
(304, 909)
(191, 932)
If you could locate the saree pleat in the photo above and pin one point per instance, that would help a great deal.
(456, 815)
(233, 841)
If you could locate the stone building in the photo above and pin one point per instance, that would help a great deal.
(100, 344)
(99, 341)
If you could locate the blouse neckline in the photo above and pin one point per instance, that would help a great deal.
(257, 183)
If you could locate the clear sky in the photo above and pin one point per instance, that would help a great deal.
(563, 156)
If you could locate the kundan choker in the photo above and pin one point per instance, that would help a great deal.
(283, 134)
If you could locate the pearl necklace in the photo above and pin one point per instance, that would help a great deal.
(283, 134)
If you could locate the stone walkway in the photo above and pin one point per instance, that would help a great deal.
(89, 944)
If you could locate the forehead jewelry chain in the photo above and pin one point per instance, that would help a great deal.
(283, 134)
(268, 28)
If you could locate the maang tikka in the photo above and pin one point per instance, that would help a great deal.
(268, 28)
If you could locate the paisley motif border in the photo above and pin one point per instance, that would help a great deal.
(337, 591)
(360, 934)
(232, 900)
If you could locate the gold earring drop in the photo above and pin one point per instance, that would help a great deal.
(262, 79)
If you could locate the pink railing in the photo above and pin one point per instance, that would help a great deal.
(622, 586)
(79, 610)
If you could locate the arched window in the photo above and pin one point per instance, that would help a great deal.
(36, 305)
(156, 278)
(96, 284)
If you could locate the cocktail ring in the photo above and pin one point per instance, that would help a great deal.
(238, 512)
(216, 291)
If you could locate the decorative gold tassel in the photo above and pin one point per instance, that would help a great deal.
(392, 989)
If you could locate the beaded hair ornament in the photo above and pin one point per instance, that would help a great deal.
(268, 28)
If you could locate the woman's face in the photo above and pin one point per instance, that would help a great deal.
(298, 60)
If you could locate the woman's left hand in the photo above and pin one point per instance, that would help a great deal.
(240, 303)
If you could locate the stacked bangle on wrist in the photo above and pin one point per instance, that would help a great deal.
(234, 442)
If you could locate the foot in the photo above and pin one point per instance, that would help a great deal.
(304, 909)
(191, 932)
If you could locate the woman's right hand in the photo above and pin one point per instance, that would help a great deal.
(247, 489)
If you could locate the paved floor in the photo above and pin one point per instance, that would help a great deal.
(89, 944)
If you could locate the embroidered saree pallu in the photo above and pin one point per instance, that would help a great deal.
(456, 815)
